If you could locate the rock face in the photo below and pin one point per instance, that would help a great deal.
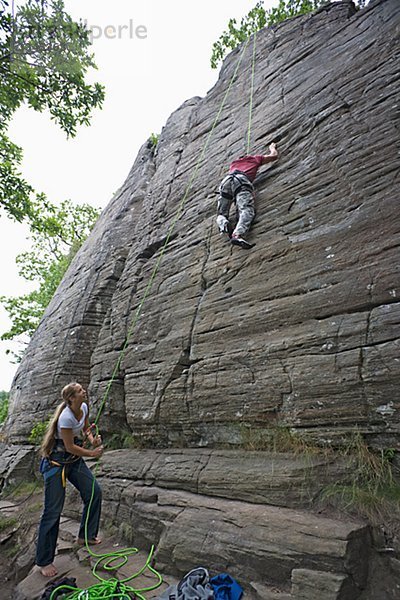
(195, 507)
(186, 341)
(16, 465)
(303, 330)
(268, 542)
(256, 477)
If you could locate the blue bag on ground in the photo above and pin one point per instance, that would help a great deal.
(225, 587)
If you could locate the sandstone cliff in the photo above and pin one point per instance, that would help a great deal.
(304, 329)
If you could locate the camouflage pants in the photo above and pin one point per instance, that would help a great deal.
(236, 188)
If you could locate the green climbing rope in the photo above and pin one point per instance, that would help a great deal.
(114, 588)
(168, 237)
(253, 64)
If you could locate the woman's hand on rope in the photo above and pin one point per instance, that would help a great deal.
(97, 441)
(97, 452)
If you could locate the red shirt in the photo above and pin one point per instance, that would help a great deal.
(249, 165)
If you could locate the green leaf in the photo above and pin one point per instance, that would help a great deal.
(44, 59)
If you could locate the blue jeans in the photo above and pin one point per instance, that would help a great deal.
(54, 495)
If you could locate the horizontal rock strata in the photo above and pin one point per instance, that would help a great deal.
(257, 477)
(169, 500)
(186, 341)
(304, 330)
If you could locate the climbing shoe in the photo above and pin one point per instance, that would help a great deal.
(238, 241)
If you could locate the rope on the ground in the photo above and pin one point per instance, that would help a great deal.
(113, 588)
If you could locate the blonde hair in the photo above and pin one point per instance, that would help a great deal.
(67, 393)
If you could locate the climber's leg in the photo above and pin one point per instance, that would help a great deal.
(245, 206)
(224, 204)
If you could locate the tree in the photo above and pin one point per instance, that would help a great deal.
(46, 263)
(44, 59)
(257, 18)
(3, 406)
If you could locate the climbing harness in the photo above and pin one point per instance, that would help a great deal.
(120, 588)
(233, 183)
(62, 463)
(63, 472)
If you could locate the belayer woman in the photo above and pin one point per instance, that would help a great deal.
(63, 454)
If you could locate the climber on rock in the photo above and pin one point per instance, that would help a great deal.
(237, 187)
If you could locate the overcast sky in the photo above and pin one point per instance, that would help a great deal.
(151, 56)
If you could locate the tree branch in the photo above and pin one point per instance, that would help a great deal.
(37, 85)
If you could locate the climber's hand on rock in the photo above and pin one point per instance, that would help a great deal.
(272, 149)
